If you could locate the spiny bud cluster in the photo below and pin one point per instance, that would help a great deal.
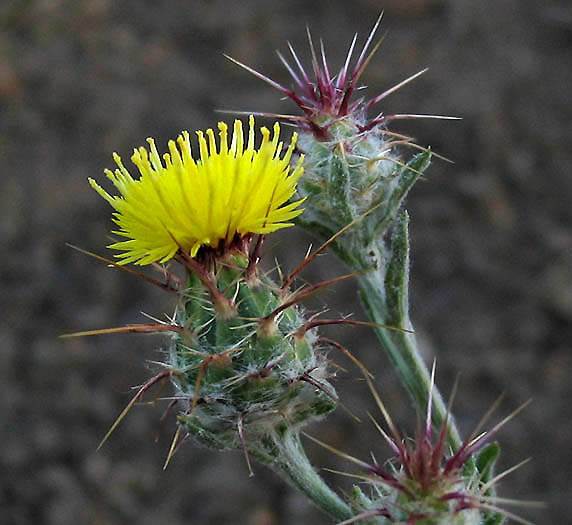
(427, 484)
(250, 368)
(351, 175)
(352, 163)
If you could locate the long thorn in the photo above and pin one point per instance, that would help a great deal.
(307, 260)
(358, 462)
(343, 110)
(347, 353)
(398, 116)
(240, 429)
(288, 92)
(163, 286)
(387, 92)
(172, 448)
(290, 70)
(344, 71)
(360, 66)
(309, 91)
(389, 421)
(480, 442)
(502, 475)
(166, 413)
(368, 41)
(430, 403)
(384, 434)
(361, 517)
(296, 118)
(138, 328)
(159, 377)
(438, 449)
(506, 513)
(322, 322)
(308, 291)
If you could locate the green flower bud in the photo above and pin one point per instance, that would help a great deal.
(247, 375)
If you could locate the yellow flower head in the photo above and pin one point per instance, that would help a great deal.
(182, 203)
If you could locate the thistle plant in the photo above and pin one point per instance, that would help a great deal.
(247, 364)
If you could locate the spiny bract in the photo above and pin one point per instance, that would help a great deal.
(250, 375)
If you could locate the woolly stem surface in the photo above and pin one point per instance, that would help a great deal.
(401, 347)
(291, 461)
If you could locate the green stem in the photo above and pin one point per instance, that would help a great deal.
(401, 347)
(292, 462)
(403, 353)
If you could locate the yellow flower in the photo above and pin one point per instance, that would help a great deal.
(179, 203)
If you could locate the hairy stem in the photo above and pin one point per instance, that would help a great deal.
(402, 350)
(290, 459)
(401, 347)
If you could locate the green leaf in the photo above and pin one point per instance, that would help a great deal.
(339, 190)
(397, 275)
(493, 519)
(485, 462)
(406, 178)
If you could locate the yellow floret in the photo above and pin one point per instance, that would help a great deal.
(181, 203)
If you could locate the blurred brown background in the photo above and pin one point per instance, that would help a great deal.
(492, 238)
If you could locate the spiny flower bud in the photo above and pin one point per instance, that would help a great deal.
(248, 375)
(425, 483)
(352, 162)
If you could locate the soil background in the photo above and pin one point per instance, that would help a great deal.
(491, 239)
